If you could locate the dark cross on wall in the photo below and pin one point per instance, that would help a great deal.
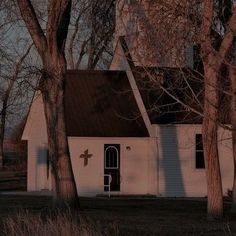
(86, 156)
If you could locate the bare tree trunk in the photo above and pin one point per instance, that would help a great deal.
(2, 128)
(51, 48)
(233, 123)
(1, 143)
(53, 98)
(209, 130)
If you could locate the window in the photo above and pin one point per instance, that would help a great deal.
(199, 162)
(111, 157)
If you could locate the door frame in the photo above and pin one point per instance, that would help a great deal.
(108, 169)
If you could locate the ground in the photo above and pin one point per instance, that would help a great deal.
(135, 216)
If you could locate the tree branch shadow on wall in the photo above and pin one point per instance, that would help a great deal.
(41, 155)
(170, 163)
(41, 167)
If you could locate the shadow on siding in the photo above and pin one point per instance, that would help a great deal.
(41, 156)
(170, 163)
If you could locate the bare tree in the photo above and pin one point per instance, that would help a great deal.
(9, 70)
(10, 93)
(210, 24)
(213, 60)
(226, 12)
(51, 48)
(91, 32)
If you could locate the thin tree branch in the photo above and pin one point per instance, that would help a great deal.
(29, 16)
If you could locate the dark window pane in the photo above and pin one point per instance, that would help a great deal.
(106, 189)
(111, 156)
(200, 160)
(199, 145)
(107, 161)
(115, 158)
(199, 152)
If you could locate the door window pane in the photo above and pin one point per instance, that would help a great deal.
(111, 157)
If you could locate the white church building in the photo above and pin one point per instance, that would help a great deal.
(117, 143)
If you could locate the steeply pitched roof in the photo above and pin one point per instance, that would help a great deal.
(171, 95)
(101, 104)
(183, 83)
(176, 95)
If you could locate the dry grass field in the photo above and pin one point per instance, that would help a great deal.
(31, 215)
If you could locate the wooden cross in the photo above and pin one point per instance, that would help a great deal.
(86, 156)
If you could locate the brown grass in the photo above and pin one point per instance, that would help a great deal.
(32, 215)
(56, 223)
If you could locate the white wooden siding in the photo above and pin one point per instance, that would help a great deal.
(36, 134)
(178, 176)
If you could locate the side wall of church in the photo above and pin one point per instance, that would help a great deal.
(178, 175)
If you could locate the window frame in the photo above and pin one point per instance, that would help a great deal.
(117, 157)
(199, 150)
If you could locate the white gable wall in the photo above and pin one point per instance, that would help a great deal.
(36, 133)
(119, 61)
(177, 173)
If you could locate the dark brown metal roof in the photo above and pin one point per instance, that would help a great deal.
(101, 104)
(162, 89)
(176, 95)
(160, 106)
